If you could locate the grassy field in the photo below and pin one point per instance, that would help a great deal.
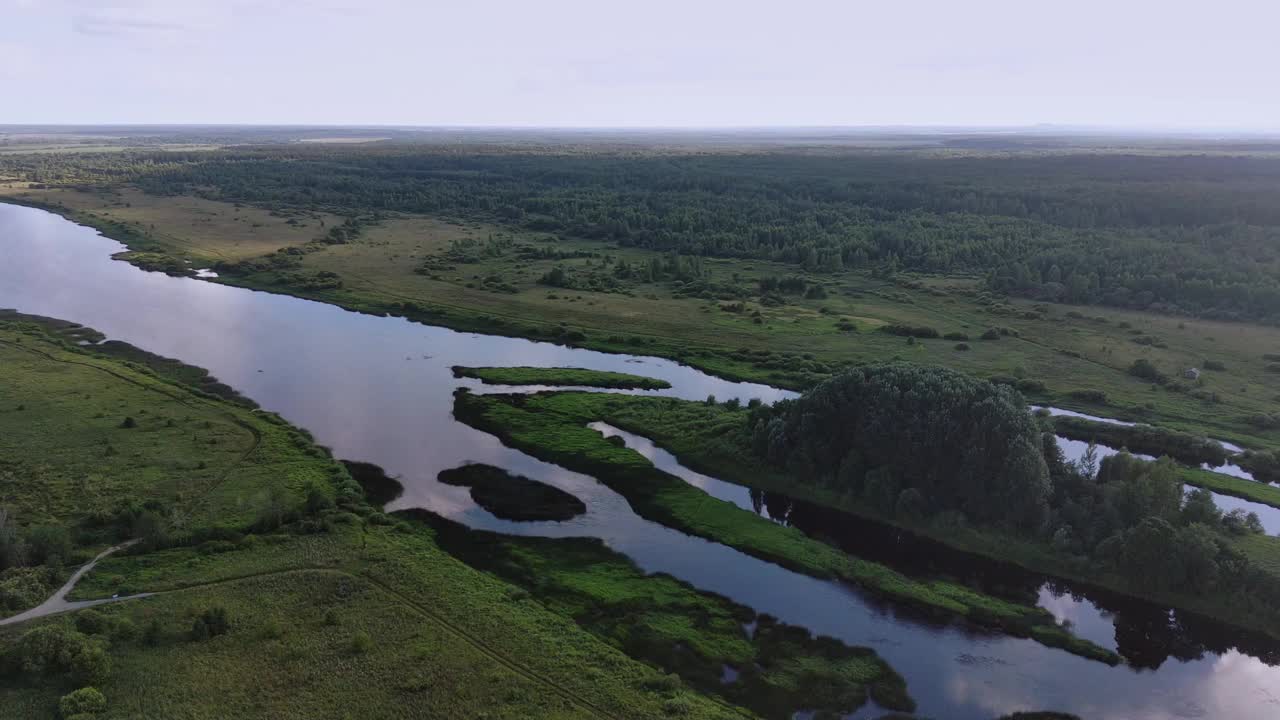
(202, 230)
(552, 427)
(84, 433)
(341, 611)
(1057, 351)
(575, 377)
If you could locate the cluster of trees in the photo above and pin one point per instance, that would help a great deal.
(31, 561)
(915, 440)
(1191, 234)
(919, 443)
(1132, 515)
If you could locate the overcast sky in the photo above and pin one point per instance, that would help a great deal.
(1212, 63)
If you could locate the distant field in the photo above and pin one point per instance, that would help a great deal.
(202, 229)
(1064, 348)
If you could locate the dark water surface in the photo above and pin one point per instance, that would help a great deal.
(379, 389)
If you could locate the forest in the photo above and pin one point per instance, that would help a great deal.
(920, 443)
(1188, 234)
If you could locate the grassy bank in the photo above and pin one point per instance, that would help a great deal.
(552, 427)
(773, 669)
(282, 592)
(565, 377)
(1237, 487)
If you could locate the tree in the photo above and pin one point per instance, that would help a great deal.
(49, 544)
(1149, 556)
(12, 551)
(1199, 507)
(1197, 548)
(85, 701)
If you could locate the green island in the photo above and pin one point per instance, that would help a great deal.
(573, 377)
(552, 427)
(513, 497)
(717, 439)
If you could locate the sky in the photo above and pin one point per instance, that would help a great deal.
(649, 63)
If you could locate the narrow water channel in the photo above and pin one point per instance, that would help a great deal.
(380, 389)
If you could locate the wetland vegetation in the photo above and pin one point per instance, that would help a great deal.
(513, 497)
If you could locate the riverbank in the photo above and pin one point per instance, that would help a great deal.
(771, 668)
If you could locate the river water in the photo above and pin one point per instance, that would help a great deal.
(379, 389)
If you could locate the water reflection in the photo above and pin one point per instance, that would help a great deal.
(1146, 634)
(379, 389)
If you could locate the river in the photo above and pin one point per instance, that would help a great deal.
(379, 389)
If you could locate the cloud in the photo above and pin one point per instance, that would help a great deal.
(99, 25)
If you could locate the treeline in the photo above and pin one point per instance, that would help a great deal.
(1144, 439)
(929, 444)
(1189, 234)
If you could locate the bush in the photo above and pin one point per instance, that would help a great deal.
(955, 336)
(52, 649)
(1214, 365)
(1144, 369)
(211, 623)
(991, 334)
(48, 545)
(361, 643)
(85, 701)
(962, 346)
(910, 331)
(1027, 385)
(129, 423)
(1093, 396)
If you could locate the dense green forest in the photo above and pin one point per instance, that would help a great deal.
(926, 443)
(1193, 234)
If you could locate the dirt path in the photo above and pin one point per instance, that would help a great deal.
(58, 603)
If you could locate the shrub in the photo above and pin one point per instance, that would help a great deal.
(1093, 396)
(51, 649)
(1027, 385)
(361, 643)
(955, 336)
(910, 331)
(211, 623)
(991, 334)
(48, 544)
(1214, 365)
(128, 423)
(962, 346)
(1144, 369)
(85, 701)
